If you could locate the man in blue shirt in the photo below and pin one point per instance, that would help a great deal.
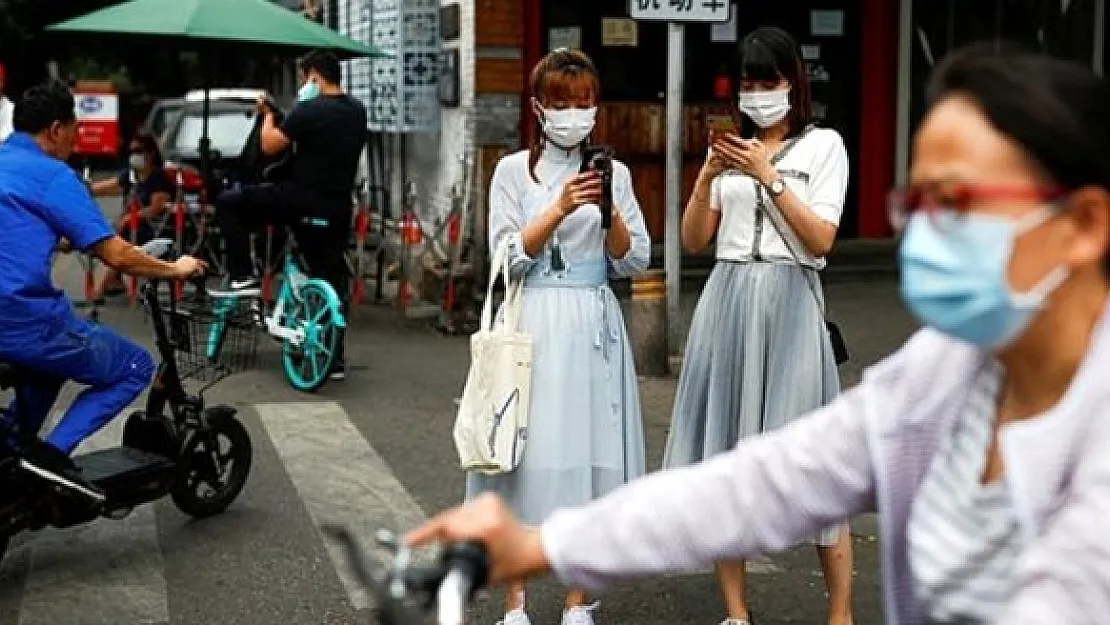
(42, 200)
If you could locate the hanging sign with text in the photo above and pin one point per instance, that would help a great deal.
(680, 10)
(97, 121)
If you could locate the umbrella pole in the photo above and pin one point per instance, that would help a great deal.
(205, 144)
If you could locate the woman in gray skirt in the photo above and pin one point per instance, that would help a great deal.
(758, 354)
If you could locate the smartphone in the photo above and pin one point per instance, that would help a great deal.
(722, 123)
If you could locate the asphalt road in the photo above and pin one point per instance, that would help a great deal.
(376, 451)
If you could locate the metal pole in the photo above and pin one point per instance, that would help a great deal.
(905, 92)
(1100, 37)
(672, 256)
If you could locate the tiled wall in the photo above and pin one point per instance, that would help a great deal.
(435, 161)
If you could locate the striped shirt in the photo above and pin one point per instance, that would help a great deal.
(963, 536)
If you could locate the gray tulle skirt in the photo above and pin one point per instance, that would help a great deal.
(758, 356)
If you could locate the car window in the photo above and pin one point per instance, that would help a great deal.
(161, 119)
(227, 131)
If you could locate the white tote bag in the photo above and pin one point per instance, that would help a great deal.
(491, 427)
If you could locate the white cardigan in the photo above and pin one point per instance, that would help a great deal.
(870, 450)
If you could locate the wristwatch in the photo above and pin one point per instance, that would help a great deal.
(776, 188)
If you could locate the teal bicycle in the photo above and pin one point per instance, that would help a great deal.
(306, 318)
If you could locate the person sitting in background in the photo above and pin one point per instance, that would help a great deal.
(144, 177)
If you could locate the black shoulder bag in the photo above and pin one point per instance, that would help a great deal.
(840, 349)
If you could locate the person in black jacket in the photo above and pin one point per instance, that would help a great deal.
(328, 130)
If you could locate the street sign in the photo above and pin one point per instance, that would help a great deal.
(680, 10)
(97, 119)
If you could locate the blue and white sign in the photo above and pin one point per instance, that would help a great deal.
(681, 10)
(90, 104)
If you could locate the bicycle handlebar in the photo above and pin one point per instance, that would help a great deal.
(405, 595)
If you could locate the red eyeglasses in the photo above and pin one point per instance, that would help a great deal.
(958, 199)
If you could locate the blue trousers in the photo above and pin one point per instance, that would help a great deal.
(114, 368)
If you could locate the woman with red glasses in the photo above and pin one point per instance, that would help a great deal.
(983, 443)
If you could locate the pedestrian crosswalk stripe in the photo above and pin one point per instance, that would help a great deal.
(340, 477)
(107, 571)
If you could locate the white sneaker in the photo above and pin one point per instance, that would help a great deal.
(736, 621)
(516, 617)
(580, 615)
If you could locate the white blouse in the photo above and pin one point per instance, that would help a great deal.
(815, 169)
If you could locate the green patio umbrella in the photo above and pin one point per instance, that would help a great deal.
(215, 25)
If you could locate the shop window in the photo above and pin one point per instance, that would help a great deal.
(1064, 28)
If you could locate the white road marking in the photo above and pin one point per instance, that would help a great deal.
(340, 478)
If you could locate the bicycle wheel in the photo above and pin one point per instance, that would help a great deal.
(308, 365)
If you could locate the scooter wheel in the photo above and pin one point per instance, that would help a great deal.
(215, 466)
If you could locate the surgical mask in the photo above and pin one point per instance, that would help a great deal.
(309, 91)
(765, 108)
(567, 128)
(954, 269)
(136, 161)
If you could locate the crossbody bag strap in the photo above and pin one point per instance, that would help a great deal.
(762, 210)
(778, 156)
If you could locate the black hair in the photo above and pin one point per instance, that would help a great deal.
(150, 146)
(1058, 111)
(324, 63)
(769, 53)
(41, 106)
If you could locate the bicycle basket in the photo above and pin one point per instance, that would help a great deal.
(210, 341)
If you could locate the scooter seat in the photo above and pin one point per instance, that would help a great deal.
(124, 469)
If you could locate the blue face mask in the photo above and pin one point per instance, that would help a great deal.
(954, 270)
(309, 91)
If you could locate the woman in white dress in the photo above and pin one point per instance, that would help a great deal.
(585, 433)
(758, 355)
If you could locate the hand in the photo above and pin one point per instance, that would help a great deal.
(748, 155)
(715, 164)
(581, 189)
(515, 552)
(262, 104)
(188, 267)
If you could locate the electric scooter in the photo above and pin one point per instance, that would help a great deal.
(199, 456)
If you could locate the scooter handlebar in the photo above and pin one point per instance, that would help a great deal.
(162, 249)
(404, 594)
(467, 570)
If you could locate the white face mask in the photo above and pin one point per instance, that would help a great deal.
(765, 108)
(567, 128)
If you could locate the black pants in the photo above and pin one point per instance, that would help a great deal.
(321, 223)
